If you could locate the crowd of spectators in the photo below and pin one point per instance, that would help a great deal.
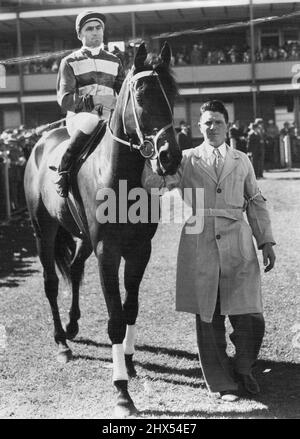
(200, 54)
(15, 148)
(263, 142)
(196, 54)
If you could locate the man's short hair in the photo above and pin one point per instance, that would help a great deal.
(214, 106)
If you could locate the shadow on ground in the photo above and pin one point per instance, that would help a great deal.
(279, 382)
(17, 246)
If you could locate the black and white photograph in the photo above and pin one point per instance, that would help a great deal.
(149, 212)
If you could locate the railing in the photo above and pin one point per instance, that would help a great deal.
(235, 72)
(281, 70)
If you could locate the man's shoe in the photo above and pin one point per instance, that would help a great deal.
(249, 383)
(62, 184)
(229, 396)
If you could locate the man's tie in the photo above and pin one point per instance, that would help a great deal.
(218, 162)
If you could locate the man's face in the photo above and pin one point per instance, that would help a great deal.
(91, 34)
(213, 127)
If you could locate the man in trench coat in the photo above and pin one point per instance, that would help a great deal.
(217, 268)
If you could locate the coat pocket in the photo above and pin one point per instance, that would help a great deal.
(246, 243)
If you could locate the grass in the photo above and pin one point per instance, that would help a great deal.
(169, 382)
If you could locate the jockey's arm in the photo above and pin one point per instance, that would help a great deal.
(67, 94)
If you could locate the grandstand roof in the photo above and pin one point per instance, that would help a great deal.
(167, 15)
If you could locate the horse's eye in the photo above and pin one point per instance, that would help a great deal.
(138, 97)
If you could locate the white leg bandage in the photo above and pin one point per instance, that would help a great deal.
(129, 340)
(119, 368)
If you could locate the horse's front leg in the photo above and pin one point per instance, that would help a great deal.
(136, 261)
(109, 257)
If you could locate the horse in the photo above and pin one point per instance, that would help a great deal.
(140, 127)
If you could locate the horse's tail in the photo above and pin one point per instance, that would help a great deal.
(64, 252)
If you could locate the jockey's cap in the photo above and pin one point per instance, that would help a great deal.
(86, 16)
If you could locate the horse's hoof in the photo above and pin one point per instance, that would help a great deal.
(64, 356)
(125, 406)
(124, 410)
(130, 366)
(71, 331)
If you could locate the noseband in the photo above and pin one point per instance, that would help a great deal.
(148, 145)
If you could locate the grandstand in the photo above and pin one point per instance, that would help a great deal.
(252, 68)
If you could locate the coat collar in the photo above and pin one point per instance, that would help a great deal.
(231, 161)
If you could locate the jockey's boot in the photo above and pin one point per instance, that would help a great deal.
(78, 140)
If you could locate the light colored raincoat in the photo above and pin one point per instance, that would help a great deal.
(221, 256)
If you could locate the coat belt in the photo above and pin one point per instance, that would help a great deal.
(236, 214)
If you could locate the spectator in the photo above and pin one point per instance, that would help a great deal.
(256, 146)
(272, 143)
(262, 134)
(282, 53)
(221, 56)
(285, 145)
(184, 137)
(201, 51)
(195, 56)
(237, 138)
(180, 61)
(209, 57)
(232, 54)
(55, 66)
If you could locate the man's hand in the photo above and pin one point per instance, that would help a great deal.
(268, 256)
(107, 101)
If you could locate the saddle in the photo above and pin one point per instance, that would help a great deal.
(74, 199)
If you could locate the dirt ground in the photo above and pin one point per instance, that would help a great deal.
(169, 382)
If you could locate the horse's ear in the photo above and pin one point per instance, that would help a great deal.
(165, 53)
(140, 57)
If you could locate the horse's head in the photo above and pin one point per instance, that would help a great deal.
(149, 95)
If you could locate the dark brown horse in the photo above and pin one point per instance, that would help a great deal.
(141, 126)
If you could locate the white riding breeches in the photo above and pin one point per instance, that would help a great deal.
(85, 122)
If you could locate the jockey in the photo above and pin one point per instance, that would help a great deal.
(87, 82)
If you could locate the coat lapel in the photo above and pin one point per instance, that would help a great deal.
(203, 165)
(231, 161)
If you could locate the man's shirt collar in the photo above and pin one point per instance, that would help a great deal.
(210, 149)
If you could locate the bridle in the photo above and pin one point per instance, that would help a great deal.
(148, 145)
